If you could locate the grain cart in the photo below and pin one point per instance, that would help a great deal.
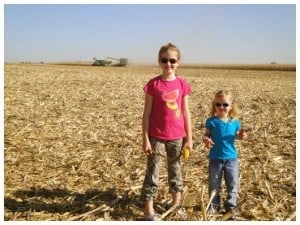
(101, 62)
(109, 61)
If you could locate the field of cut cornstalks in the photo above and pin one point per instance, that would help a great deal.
(73, 143)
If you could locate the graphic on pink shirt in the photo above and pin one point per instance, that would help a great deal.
(170, 98)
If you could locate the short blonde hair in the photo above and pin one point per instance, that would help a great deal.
(234, 111)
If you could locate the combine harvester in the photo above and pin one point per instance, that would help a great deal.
(109, 61)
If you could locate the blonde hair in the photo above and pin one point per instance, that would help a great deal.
(168, 47)
(234, 111)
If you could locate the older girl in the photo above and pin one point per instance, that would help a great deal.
(166, 127)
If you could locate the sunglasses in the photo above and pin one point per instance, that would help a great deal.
(225, 105)
(165, 60)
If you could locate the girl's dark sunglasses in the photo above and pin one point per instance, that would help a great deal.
(165, 60)
(225, 105)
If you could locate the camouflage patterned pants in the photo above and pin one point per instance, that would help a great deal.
(151, 181)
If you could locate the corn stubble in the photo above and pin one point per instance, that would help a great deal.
(73, 143)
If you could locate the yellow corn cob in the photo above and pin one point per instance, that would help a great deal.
(186, 153)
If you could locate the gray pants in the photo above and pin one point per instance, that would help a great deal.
(151, 181)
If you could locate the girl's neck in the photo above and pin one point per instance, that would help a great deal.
(223, 118)
(168, 76)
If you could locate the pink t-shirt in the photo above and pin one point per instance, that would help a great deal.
(166, 119)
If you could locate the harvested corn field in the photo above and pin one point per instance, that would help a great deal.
(73, 143)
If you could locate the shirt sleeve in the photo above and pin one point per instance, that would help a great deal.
(207, 124)
(238, 125)
(186, 88)
(148, 88)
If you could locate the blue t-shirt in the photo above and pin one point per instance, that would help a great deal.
(223, 135)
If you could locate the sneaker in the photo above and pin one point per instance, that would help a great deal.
(182, 214)
(151, 217)
(230, 214)
(214, 209)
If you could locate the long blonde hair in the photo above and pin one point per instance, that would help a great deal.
(234, 111)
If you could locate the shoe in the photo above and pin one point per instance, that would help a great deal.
(182, 214)
(230, 214)
(214, 209)
(151, 217)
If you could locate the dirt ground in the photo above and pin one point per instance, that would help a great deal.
(72, 137)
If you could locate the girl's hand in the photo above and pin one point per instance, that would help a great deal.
(187, 143)
(208, 142)
(147, 148)
(242, 134)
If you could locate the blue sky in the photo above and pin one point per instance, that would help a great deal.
(205, 33)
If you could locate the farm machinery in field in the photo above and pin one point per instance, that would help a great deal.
(109, 61)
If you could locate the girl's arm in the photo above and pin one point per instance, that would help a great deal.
(207, 140)
(145, 124)
(241, 134)
(187, 123)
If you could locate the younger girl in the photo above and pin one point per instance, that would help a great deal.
(166, 121)
(222, 128)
